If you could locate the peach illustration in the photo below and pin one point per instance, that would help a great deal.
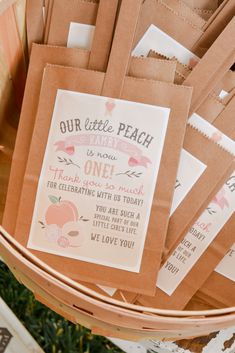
(53, 232)
(61, 212)
(74, 232)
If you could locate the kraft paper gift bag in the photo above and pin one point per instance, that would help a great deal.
(81, 24)
(157, 29)
(206, 75)
(211, 69)
(103, 258)
(225, 121)
(203, 8)
(182, 70)
(62, 14)
(215, 25)
(192, 262)
(41, 55)
(218, 98)
(218, 289)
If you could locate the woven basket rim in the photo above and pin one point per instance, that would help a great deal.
(200, 314)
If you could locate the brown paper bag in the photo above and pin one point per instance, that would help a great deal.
(225, 121)
(168, 15)
(40, 57)
(133, 90)
(218, 289)
(182, 71)
(153, 69)
(215, 25)
(212, 67)
(60, 15)
(219, 213)
(176, 295)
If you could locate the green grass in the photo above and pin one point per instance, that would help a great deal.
(53, 333)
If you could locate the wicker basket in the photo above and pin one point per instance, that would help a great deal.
(72, 300)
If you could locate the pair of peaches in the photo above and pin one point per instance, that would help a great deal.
(62, 224)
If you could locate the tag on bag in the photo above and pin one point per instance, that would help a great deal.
(122, 188)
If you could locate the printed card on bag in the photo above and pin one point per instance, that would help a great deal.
(200, 236)
(97, 180)
(227, 266)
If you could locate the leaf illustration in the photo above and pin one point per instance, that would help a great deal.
(53, 199)
(130, 174)
(73, 233)
(42, 224)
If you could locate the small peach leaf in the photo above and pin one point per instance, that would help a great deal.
(54, 199)
(73, 233)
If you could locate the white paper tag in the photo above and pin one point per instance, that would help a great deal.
(197, 240)
(98, 178)
(80, 36)
(189, 171)
(214, 134)
(162, 43)
(226, 267)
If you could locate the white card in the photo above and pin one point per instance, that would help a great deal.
(197, 240)
(162, 43)
(98, 178)
(80, 36)
(189, 171)
(226, 267)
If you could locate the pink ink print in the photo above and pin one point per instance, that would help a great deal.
(141, 161)
(60, 212)
(109, 105)
(220, 200)
(61, 146)
(217, 136)
(192, 63)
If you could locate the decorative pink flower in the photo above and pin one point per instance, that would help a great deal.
(70, 150)
(141, 161)
(61, 146)
(63, 242)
